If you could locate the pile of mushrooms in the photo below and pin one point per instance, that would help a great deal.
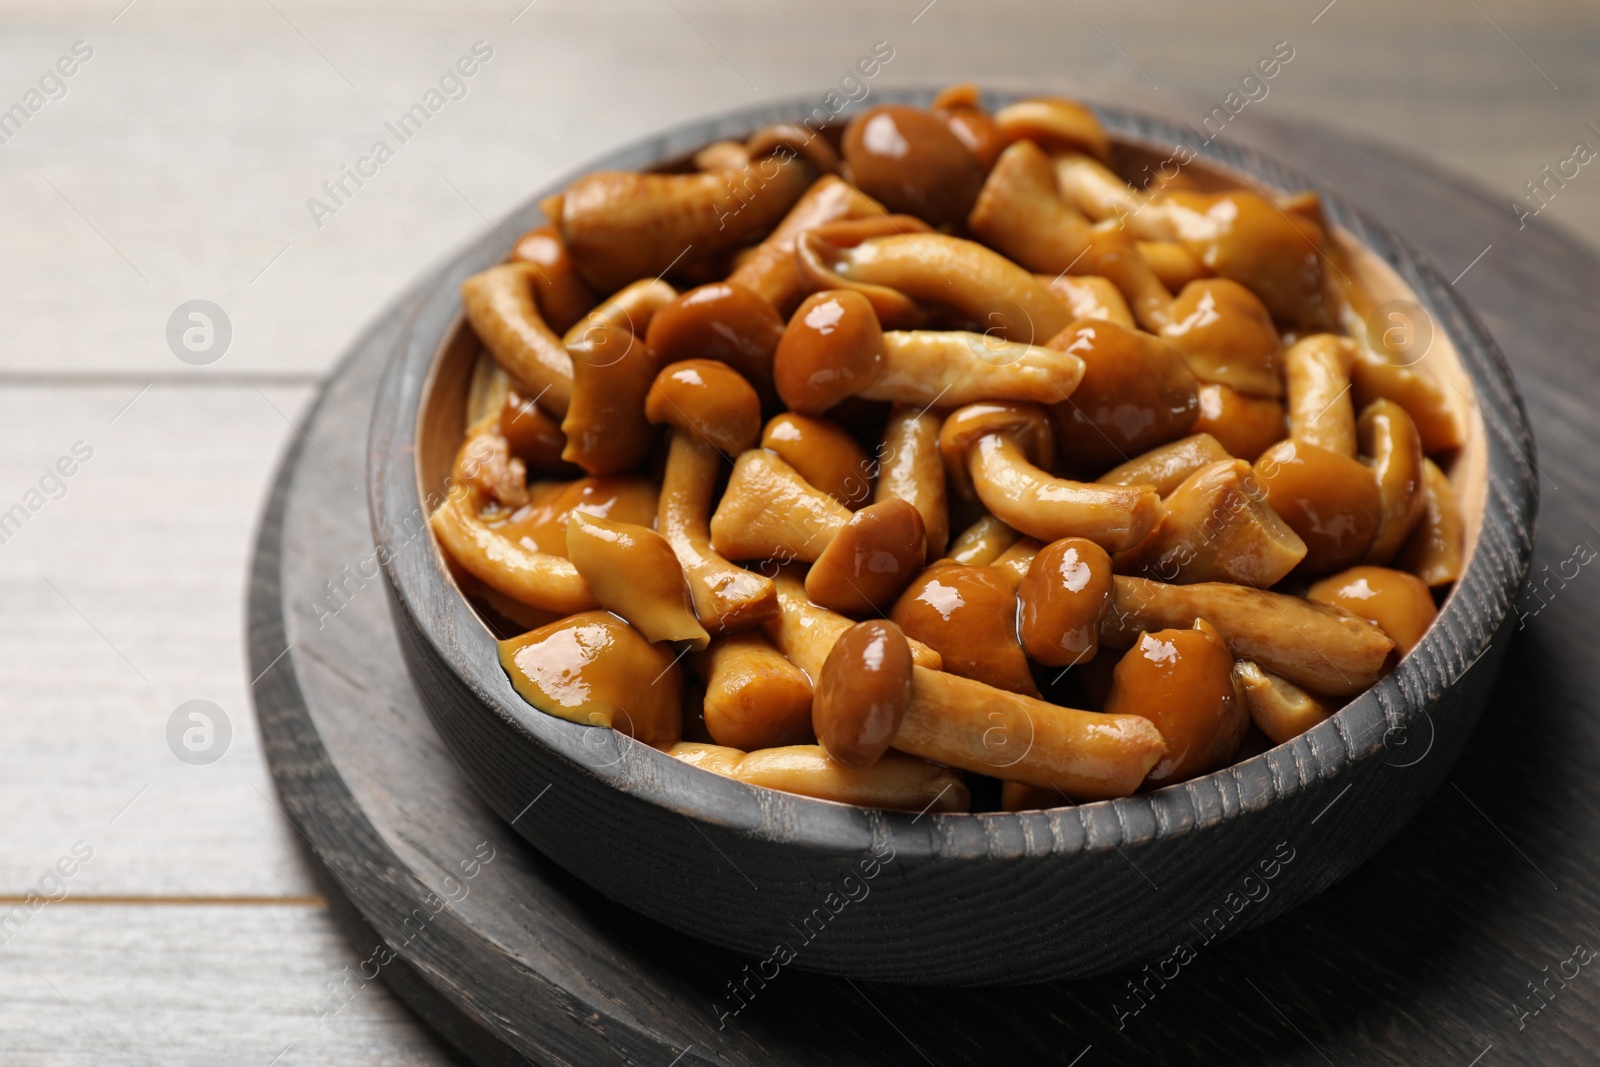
(927, 464)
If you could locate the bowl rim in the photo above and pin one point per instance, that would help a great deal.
(1397, 706)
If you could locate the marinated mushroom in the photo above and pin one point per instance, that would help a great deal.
(824, 454)
(1389, 437)
(991, 309)
(1279, 708)
(863, 693)
(1398, 602)
(621, 226)
(499, 304)
(869, 560)
(1066, 593)
(1004, 448)
(1330, 500)
(1182, 681)
(633, 572)
(969, 616)
(754, 697)
(912, 162)
(711, 412)
(910, 468)
(1217, 526)
(1325, 649)
(1136, 393)
(592, 668)
(897, 782)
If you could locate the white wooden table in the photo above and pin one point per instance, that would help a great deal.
(176, 162)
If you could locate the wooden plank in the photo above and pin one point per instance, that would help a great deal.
(198, 985)
(121, 600)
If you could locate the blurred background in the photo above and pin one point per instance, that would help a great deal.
(155, 153)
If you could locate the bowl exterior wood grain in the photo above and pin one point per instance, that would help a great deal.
(949, 899)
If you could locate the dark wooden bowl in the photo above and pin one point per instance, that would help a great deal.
(956, 899)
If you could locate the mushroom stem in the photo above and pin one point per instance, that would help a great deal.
(768, 511)
(1166, 467)
(726, 597)
(1021, 213)
(1279, 708)
(910, 469)
(1434, 552)
(953, 367)
(806, 632)
(630, 308)
(1026, 498)
(499, 304)
(539, 579)
(770, 269)
(1317, 370)
(896, 781)
(755, 697)
(1327, 650)
(982, 543)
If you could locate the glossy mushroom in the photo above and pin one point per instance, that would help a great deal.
(1279, 708)
(1329, 499)
(1398, 602)
(1164, 468)
(533, 436)
(712, 412)
(539, 579)
(832, 349)
(723, 321)
(1021, 213)
(911, 161)
(499, 305)
(1004, 448)
(969, 616)
(1437, 546)
(769, 270)
(1136, 393)
(1217, 526)
(1325, 649)
(1389, 438)
(982, 543)
(869, 560)
(754, 697)
(1320, 410)
(605, 425)
(1066, 593)
(622, 226)
(633, 572)
(1372, 377)
(560, 294)
(896, 782)
(1182, 681)
(910, 468)
(1244, 425)
(863, 692)
(805, 632)
(592, 668)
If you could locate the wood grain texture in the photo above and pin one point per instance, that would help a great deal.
(975, 899)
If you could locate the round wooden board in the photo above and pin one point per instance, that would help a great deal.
(1421, 956)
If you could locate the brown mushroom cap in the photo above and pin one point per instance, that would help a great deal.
(1398, 602)
(863, 693)
(1330, 500)
(870, 560)
(725, 321)
(595, 669)
(561, 295)
(1024, 423)
(1064, 596)
(1182, 680)
(824, 454)
(910, 160)
(1136, 393)
(1244, 425)
(832, 349)
(1225, 334)
(708, 400)
(969, 616)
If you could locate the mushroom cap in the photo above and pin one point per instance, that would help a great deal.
(832, 349)
(796, 140)
(1136, 393)
(870, 560)
(862, 695)
(1027, 423)
(1399, 603)
(1226, 335)
(969, 616)
(1244, 425)
(1065, 594)
(911, 161)
(1056, 125)
(1182, 680)
(709, 400)
(1331, 501)
(725, 321)
(595, 669)
(825, 455)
